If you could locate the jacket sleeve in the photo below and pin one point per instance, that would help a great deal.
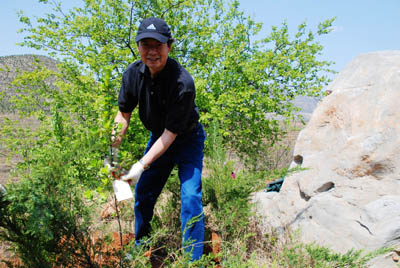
(128, 97)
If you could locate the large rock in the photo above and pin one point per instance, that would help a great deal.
(349, 195)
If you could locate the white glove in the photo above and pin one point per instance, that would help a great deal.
(134, 173)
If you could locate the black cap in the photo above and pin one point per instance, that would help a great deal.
(154, 28)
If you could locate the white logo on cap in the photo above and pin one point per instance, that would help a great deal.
(151, 27)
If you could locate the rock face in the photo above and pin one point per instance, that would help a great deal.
(349, 195)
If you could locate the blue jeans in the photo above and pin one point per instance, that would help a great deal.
(187, 153)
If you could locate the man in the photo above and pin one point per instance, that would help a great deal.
(165, 94)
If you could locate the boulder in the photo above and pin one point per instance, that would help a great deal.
(348, 195)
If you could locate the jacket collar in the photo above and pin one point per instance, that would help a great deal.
(161, 75)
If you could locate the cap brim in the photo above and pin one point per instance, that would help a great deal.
(159, 37)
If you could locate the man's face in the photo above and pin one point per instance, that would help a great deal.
(154, 54)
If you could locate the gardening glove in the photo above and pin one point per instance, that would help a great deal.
(134, 173)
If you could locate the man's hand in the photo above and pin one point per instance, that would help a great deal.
(134, 173)
(120, 128)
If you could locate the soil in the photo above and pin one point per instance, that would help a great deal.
(105, 258)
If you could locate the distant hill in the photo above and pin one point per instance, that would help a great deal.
(10, 66)
(307, 106)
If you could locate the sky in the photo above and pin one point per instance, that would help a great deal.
(361, 26)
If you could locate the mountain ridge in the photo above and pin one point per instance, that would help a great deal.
(10, 67)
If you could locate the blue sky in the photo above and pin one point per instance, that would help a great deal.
(361, 26)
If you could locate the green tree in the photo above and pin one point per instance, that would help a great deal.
(243, 83)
